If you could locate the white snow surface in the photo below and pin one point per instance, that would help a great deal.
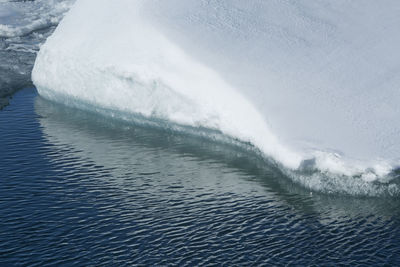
(299, 80)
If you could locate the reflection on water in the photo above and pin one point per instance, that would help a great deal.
(79, 188)
(119, 146)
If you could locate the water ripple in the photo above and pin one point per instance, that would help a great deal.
(75, 190)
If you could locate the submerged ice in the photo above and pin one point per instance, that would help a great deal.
(313, 85)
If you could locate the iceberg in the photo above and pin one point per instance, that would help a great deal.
(314, 85)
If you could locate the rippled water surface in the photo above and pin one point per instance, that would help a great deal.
(79, 189)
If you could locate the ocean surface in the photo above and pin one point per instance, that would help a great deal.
(77, 188)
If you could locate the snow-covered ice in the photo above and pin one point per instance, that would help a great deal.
(312, 84)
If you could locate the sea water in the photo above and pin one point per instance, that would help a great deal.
(78, 188)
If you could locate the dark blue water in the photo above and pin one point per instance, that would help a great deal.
(80, 189)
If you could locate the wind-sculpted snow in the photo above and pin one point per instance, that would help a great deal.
(313, 85)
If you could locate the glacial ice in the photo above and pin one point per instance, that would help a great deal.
(312, 84)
